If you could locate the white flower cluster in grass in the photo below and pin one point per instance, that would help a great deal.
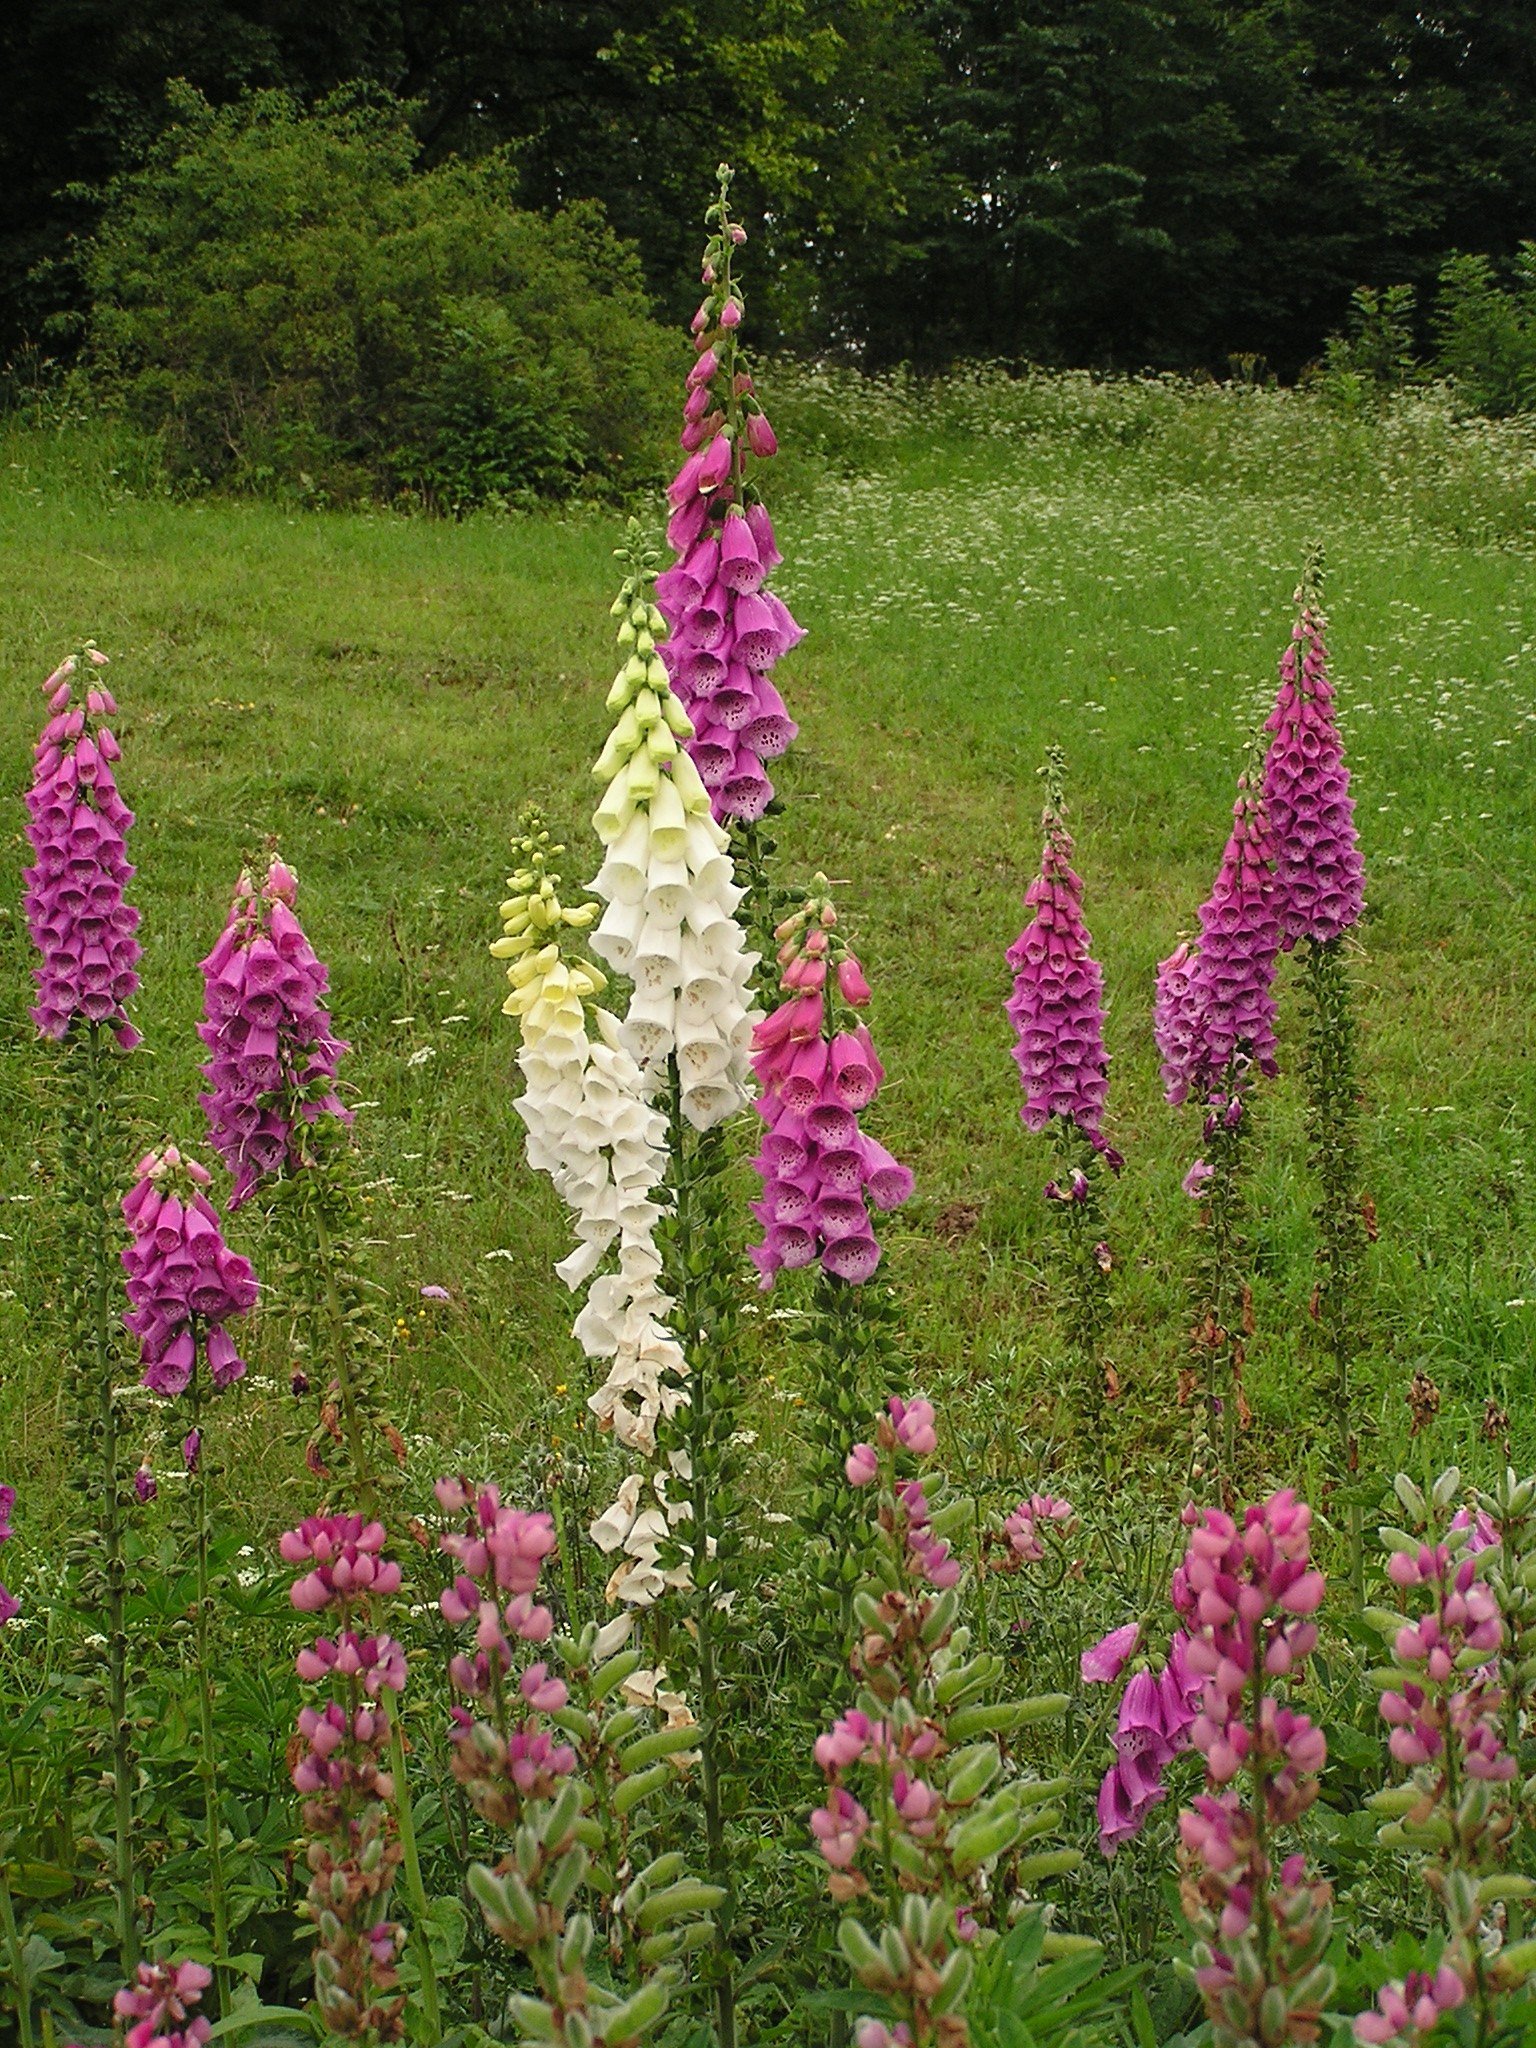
(636, 1526)
(669, 888)
(592, 1129)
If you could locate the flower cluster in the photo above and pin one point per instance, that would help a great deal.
(159, 2005)
(1215, 1001)
(819, 1170)
(347, 1560)
(1022, 1530)
(917, 1805)
(727, 629)
(639, 1531)
(592, 1128)
(668, 884)
(1462, 1616)
(78, 825)
(1319, 882)
(1411, 2011)
(338, 1764)
(1246, 1598)
(1057, 1005)
(183, 1281)
(274, 1058)
(498, 1551)
(1153, 1725)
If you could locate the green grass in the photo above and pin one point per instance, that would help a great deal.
(982, 571)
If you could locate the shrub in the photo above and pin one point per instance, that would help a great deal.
(1487, 335)
(1376, 355)
(288, 304)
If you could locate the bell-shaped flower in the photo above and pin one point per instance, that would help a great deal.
(1319, 877)
(77, 826)
(184, 1283)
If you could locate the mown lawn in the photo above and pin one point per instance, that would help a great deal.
(380, 694)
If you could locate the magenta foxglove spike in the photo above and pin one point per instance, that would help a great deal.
(1215, 1000)
(1319, 883)
(78, 828)
(184, 1283)
(820, 1173)
(1057, 1005)
(726, 629)
(266, 1024)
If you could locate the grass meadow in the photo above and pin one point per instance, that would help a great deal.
(983, 569)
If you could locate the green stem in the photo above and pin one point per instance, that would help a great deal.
(19, 1975)
(405, 1819)
(103, 1275)
(567, 1560)
(1222, 1275)
(362, 1467)
(1333, 1127)
(208, 1767)
(704, 1604)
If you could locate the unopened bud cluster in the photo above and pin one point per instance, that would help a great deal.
(914, 1769)
(338, 1763)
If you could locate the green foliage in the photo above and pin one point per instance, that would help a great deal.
(1487, 334)
(1086, 181)
(289, 307)
(1032, 1989)
(1375, 355)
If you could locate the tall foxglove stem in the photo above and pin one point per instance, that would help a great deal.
(1319, 893)
(274, 1113)
(1077, 1209)
(1057, 1012)
(208, 1767)
(83, 929)
(817, 1069)
(1214, 1022)
(698, 1238)
(857, 1366)
(1223, 1301)
(185, 1286)
(353, 1401)
(20, 1978)
(92, 1133)
(1333, 1119)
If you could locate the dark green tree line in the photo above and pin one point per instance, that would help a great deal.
(1093, 181)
